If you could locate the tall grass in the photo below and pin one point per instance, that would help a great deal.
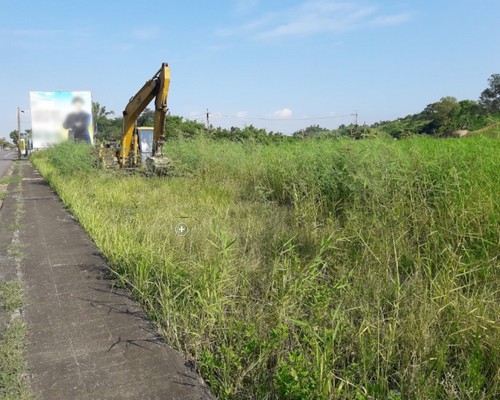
(316, 269)
(71, 158)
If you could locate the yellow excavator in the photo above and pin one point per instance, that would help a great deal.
(141, 145)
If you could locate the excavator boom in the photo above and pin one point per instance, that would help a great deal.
(156, 88)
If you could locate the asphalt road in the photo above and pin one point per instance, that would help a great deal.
(6, 158)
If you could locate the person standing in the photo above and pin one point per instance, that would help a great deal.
(78, 121)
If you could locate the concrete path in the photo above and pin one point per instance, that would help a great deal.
(86, 340)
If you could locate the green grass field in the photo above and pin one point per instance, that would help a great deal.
(329, 269)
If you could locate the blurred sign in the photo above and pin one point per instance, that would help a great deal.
(59, 116)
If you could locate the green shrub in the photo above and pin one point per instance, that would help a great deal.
(70, 157)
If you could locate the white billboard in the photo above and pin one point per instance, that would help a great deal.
(59, 116)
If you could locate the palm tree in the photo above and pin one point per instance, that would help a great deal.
(99, 115)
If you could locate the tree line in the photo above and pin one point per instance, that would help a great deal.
(437, 119)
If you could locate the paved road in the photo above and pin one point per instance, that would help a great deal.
(6, 158)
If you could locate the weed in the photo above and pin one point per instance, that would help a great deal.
(15, 226)
(10, 179)
(12, 380)
(15, 251)
(11, 295)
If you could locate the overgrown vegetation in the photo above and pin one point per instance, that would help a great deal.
(70, 158)
(313, 269)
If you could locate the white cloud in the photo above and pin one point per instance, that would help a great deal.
(44, 34)
(29, 38)
(283, 114)
(145, 33)
(314, 17)
(124, 47)
(249, 28)
(31, 32)
(391, 20)
(246, 6)
(217, 48)
(241, 114)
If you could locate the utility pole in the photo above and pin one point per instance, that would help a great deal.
(356, 116)
(208, 119)
(19, 111)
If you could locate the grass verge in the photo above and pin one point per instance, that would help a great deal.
(10, 179)
(12, 369)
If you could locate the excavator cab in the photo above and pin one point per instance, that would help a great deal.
(145, 143)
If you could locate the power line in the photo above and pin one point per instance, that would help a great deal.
(307, 118)
(260, 118)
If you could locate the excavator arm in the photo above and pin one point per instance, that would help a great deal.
(156, 88)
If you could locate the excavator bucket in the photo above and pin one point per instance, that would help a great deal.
(159, 166)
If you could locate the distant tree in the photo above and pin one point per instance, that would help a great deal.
(192, 129)
(470, 115)
(147, 118)
(310, 131)
(250, 132)
(4, 144)
(177, 127)
(490, 98)
(442, 115)
(100, 117)
(173, 126)
(395, 129)
(14, 135)
(113, 129)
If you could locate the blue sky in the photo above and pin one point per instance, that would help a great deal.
(279, 64)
